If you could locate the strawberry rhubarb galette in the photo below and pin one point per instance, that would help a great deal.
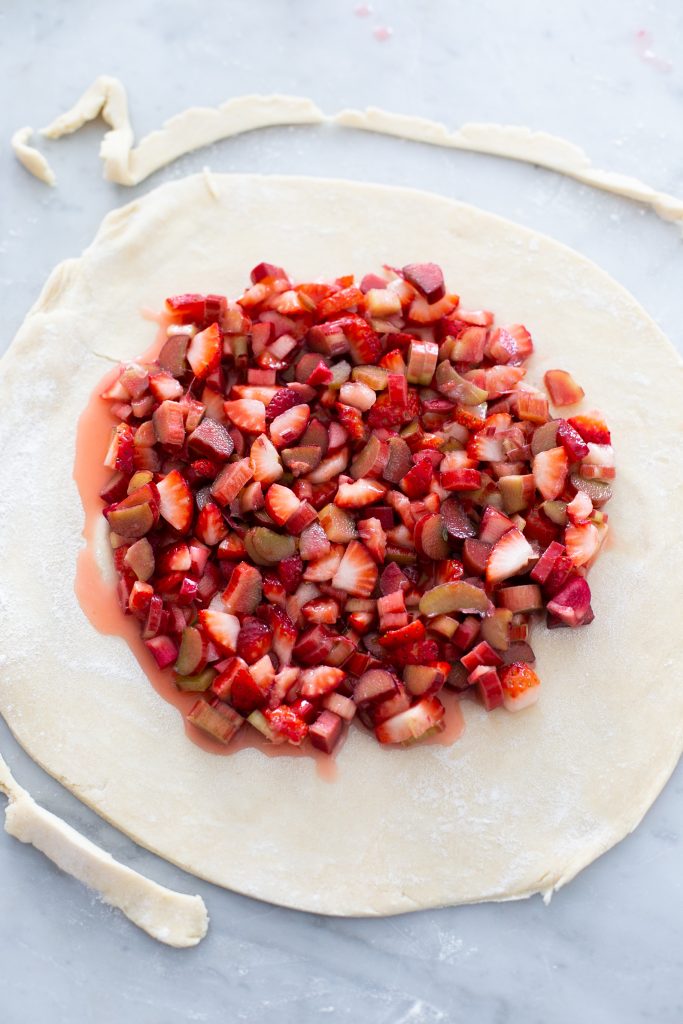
(332, 502)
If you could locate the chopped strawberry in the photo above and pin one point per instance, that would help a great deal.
(204, 351)
(211, 527)
(374, 538)
(254, 640)
(357, 572)
(582, 542)
(247, 414)
(285, 722)
(591, 427)
(281, 503)
(221, 628)
(359, 493)
(290, 570)
(423, 718)
(315, 682)
(411, 633)
(550, 470)
(508, 556)
(288, 427)
(175, 501)
(364, 344)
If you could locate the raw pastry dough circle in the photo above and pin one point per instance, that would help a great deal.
(518, 805)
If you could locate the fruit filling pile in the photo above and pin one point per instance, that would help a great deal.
(330, 500)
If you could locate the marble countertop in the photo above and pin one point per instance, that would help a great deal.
(608, 76)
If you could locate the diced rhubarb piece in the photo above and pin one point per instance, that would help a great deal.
(398, 460)
(421, 680)
(313, 645)
(481, 654)
(467, 632)
(427, 278)
(520, 685)
(572, 602)
(524, 598)
(562, 388)
(192, 653)
(140, 559)
(204, 351)
(518, 651)
(422, 719)
(493, 525)
(212, 440)
(131, 523)
(243, 592)
(541, 570)
(375, 685)
(532, 407)
(325, 732)
(217, 719)
(301, 459)
(495, 628)
(163, 650)
(457, 596)
(339, 705)
(231, 480)
(488, 684)
(197, 683)
(598, 491)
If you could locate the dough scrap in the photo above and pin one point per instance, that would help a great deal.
(200, 126)
(31, 158)
(520, 803)
(171, 917)
(192, 129)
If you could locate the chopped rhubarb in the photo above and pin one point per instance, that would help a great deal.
(328, 501)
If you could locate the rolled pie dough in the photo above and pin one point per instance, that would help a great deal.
(521, 802)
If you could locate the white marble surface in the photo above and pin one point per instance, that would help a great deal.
(609, 948)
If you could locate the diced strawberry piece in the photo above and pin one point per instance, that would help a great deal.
(423, 718)
(121, 450)
(582, 542)
(345, 298)
(290, 571)
(364, 344)
(591, 427)
(509, 556)
(210, 527)
(359, 493)
(374, 538)
(175, 501)
(493, 525)
(550, 470)
(186, 309)
(205, 350)
(287, 723)
(313, 645)
(243, 592)
(423, 312)
(247, 414)
(288, 427)
(572, 441)
(461, 479)
(572, 602)
(221, 628)
(520, 685)
(281, 503)
(409, 634)
(315, 682)
(511, 344)
(580, 507)
(357, 571)
(254, 640)
(417, 480)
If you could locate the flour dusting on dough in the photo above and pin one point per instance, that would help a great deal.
(196, 127)
(171, 917)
